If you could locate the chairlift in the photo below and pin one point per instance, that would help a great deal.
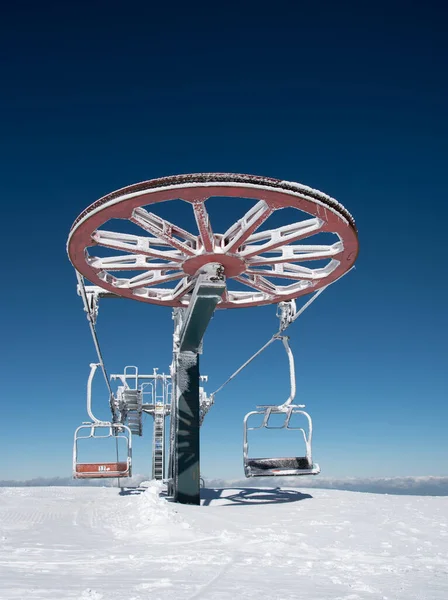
(118, 431)
(100, 470)
(280, 466)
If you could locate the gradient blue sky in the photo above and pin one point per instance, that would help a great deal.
(347, 97)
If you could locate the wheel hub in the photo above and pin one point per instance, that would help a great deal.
(233, 265)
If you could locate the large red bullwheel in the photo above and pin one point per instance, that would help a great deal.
(267, 261)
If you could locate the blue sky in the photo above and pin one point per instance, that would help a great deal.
(348, 99)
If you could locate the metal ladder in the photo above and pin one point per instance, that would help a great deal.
(158, 442)
(133, 404)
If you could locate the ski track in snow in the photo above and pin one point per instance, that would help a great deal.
(95, 544)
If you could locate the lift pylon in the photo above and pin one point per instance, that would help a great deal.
(190, 326)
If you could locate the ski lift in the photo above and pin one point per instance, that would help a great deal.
(82, 470)
(280, 466)
(283, 466)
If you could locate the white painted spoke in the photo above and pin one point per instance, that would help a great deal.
(203, 222)
(281, 271)
(160, 294)
(297, 254)
(182, 288)
(243, 297)
(167, 295)
(163, 229)
(295, 272)
(225, 296)
(269, 289)
(234, 237)
(136, 244)
(149, 279)
(129, 262)
(280, 236)
(257, 282)
(299, 286)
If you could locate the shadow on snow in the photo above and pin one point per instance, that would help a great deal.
(238, 497)
(131, 491)
(251, 496)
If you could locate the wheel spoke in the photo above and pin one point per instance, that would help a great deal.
(257, 282)
(298, 286)
(244, 228)
(225, 295)
(136, 244)
(129, 262)
(203, 222)
(295, 272)
(167, 295)
(280, 236)
(183, 287)
(243, 297)
(163, 229)
(149, 279)
(298, 254)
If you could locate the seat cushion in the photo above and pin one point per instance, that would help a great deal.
(267, 464)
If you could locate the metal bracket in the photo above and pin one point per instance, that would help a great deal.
(92, 295)
(207, 292)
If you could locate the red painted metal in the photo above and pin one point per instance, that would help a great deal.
(195, 189)
(101, 470)
(233, 265)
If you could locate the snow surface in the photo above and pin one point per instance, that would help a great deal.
(91, 543)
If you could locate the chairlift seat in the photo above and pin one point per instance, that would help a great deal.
(279, 466)
(275, 467)
(102, 470)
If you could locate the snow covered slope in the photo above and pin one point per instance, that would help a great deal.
(95, 544)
